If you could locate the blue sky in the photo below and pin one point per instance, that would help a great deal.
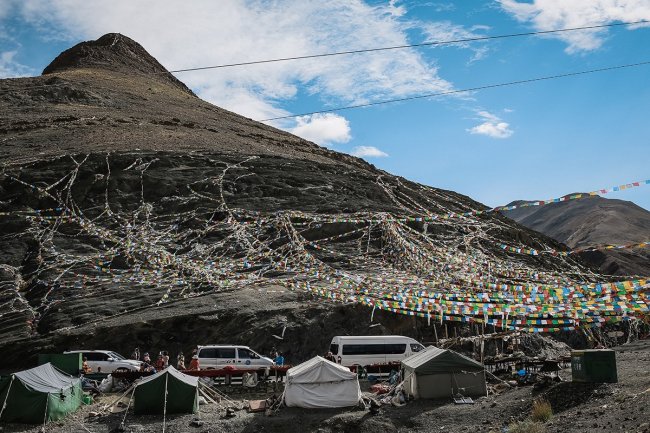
(532, 141)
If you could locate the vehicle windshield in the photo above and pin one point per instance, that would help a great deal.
(416, 347)
(116, 356)
(247, 354)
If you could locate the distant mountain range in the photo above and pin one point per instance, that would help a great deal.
(594, 221)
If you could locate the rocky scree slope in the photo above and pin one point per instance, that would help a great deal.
(132, 213)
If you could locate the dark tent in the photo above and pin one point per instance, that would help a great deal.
(39, 394)
(179, 391)
(439, 373)
(69, 363)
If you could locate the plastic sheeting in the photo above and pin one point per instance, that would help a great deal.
(46, 378)
(319, 383)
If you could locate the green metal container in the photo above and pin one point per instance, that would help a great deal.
(594, 366)
(69, 363)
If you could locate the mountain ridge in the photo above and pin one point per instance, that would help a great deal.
(113, 51)
(594, 221)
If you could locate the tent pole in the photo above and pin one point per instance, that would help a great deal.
(126, 412)
(130, 388)
(47, 401)
(198, 405)
(165, 406)
(205, 394)
(4, 404)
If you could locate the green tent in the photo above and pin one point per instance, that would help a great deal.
(179, 390)
(69, 363)
(38, 395)
(439, 373)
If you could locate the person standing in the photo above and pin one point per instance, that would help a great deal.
(194, 363)
(180, 362)
(160, 362)
(85, 367)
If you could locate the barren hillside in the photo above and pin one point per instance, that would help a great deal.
(595, 221)
(132, 213)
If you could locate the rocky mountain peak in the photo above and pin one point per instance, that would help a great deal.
(113, 52)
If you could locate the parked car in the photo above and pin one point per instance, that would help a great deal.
(368, 350)
(106, 361)
(219, 356)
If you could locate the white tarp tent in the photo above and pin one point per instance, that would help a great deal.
(319, 383)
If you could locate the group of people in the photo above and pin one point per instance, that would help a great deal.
(162, 362)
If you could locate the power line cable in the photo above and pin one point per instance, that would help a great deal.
(451, 92)
(399, 47)
(433, 43)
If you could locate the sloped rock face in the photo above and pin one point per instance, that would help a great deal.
(90, 242)
(134, 214)
(595, 221)
(110, 95)
(113, 52)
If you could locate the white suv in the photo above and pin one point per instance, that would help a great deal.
(242, 357)
(106, 361)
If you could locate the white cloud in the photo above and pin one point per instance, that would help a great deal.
(5, 7)
(436, 6)
(205, 32)
(368, 152)
(448, 31)
(10, 68)
(444, 7)
(325, 129)
(395, 10)
(492, 126)
(557, 14)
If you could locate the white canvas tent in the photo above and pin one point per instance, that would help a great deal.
(439, 373)
(319, 383)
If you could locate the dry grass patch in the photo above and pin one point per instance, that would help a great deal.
(527, 426)
(542, 411)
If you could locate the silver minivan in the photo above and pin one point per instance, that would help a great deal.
(242, 357)
(106, 361)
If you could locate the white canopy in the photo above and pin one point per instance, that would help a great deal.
(319, 383)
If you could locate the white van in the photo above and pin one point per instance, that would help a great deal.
(367, 350)
(107, 361)
(242, 357)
